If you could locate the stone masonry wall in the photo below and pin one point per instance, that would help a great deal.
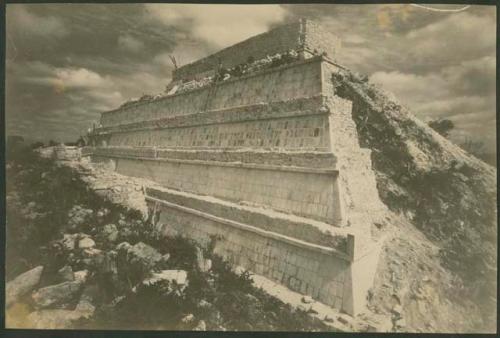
(300, 35)
(317, 160)
(278, 40)
(299, 228)
(356, 178)
(320, 275)
(321, 40)
(307, 132)
(285, 83)
(261, 111)
(305, 194)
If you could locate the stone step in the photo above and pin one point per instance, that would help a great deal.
(304, 159)
(254, 218)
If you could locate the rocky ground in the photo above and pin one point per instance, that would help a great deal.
(75, 259)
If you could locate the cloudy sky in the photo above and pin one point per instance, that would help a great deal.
(67, 63)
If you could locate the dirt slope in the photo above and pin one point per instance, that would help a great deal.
(445, 202)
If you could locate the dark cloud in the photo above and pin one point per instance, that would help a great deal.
(66, 63)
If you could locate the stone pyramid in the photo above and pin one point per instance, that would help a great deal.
(257, 154)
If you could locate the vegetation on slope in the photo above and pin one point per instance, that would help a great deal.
(449, 195)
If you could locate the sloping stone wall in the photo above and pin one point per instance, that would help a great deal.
(307, 194)
(302, 268)
(285, 83)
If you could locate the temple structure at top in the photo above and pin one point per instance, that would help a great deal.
(253, 149)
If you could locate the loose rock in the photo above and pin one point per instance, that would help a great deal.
(65, 274)
(109, 233)
(22, 284)
(56, 294)
(86, 243)
(142, 254)
(81, 276)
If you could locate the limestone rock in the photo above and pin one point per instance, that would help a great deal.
(22, 284)
(86, 243)
(65, 274)
(56, 294)
(109, 233)
(91, 253)
(143, 254)
(70, 242)
(81, 276)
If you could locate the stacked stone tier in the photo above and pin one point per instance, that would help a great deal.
(295, 230)
(302, 184)
(293, 124)
(308, 256)
(302, 79)
(262, 139)
(305, 161)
